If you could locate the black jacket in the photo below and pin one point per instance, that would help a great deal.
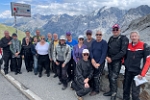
(137, 58)
(4, 44)
(84, 70)
(117, 47)
(26, 50)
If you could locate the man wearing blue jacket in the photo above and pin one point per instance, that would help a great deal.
(71, 42)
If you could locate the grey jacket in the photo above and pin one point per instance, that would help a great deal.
(51, 49)
(62, 53)
(15, 47)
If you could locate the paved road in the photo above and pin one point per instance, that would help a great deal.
(48, 89)
(8, 91)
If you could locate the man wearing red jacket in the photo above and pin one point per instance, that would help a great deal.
(137, 62)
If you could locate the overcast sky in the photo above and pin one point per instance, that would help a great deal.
(71, 7)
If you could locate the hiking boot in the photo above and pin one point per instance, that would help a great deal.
(113, 96)
(78, 97)
(107, 93)
(64, 87)
(55, 76)
(93, 93)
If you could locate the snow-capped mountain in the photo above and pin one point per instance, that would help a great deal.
(101, 19)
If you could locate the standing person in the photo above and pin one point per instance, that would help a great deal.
(35, 55)
(117, 47)
(51, 49)
(1, 60)
(138, 52)
(61, 57)
(27, 35)
(89, 40)
(84, 73)
(71, 42)
(38, 35)
(15, 48)
(49, 38)
(98, 55)
(77, 52)
(43, 58)
(7, 55)
(28, 58)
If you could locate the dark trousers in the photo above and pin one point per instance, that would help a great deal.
(79, 88)
(128, 83)
(7, 57)
(28, 62)
(17, 63)
(1, 62)
(62, 73)
(54, 69)
(95, 82)
(71, 69)
(43, 62)
(114, 70)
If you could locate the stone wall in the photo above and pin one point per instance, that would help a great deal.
(145, 89)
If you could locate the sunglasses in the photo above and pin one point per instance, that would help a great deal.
(81, 39)
(88, 34)
(115, 29)
(98, 34)
(85, 54)
(42, 38)
(68, 35)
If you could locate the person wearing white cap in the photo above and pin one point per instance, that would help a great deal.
(61, 57)
(84, 73)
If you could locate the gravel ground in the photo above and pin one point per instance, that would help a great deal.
(8, 91)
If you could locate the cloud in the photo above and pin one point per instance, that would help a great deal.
(76, 7)
(5, 14)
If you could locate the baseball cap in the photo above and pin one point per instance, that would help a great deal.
(85, 51)
(88, 32)
(116, 26)
(62, 37)
(80, 37)
(68, 33)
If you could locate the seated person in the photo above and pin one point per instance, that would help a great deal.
(83, 73)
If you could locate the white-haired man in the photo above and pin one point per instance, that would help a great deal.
(138, 52)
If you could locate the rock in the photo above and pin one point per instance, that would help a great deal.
(145, 89)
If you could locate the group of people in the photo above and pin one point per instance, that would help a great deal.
(82, 62)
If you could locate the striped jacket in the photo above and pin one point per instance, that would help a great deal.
(137, 58)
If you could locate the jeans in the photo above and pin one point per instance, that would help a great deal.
(35, 64)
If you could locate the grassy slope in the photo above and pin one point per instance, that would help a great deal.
(11, 31)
